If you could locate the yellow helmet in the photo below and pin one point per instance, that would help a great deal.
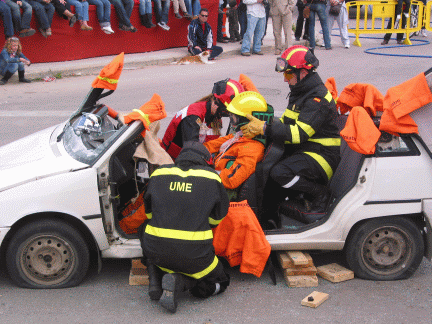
(246, 103)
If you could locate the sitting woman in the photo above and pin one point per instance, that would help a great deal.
(64, 11)
(81, 8)
(235, 156)
(11, 60)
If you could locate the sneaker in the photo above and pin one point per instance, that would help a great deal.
(186, 15)
(163, 25)
(258, 53)
(73, 20)
(400, 42)
(27, 32)
(42, 31)
(423, 33)
(48, 31)
(384, 42)
(246, 53)
(222, 40)
(86, 27)
(347, 46)
(178, 16)
(108, 30)
(133, 29)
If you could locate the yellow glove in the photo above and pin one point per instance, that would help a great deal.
(253, 128)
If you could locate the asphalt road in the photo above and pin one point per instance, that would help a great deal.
(107, 297)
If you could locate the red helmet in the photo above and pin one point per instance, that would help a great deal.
(295, 58)
(226, 90)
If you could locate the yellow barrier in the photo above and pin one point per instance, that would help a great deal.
(382, 10)
(427, 16)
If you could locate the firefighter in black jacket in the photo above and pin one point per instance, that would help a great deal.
(183, 202)
(312, 141)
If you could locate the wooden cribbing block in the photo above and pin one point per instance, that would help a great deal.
(298, 258)
(286, 262)
(138, 275)
(315, 299)
(300, 271)
(335, 273)
(301, 281)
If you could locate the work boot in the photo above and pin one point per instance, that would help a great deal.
(146, 20)
(21, 77)
(155, 281)
(172, 285)
(6, 78)
(321, 196)
(384, 42)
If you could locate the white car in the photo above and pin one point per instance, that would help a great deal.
(62, 191)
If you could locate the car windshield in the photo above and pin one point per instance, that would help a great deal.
(88, 136)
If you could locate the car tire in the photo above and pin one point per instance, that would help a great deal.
(388, 248)
(47, 254)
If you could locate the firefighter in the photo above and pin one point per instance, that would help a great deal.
(202, 120)
(236, 156)
(183, 202)
(312, 141)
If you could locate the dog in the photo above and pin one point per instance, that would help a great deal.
(201, 58)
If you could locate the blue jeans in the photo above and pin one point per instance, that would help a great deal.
(44, 13)
(255, 29)
(103, 11)
(242, 18)
(81, 8)
(145, 7)
(193, 7)
(320, 10)
(20, 21)
(5, 13)
(215, 51)
(161, 10)
(123, 10)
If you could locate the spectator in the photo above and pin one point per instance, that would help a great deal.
(6, 14)
(342, 21)
(21, 22)
(300, 21)
(44, 11)
(281, 13)
(81, 8)
(200, 36)
(423, 29)
(180, 4)
(123, 10)
(64, 10)
(318, 7)
(396, 19)
(11, 60)
(220, 38)
(161, 13)
(267, 12)
(103, 12)
(233, 21)
(241, 12)
(145, 11)
(256, 19)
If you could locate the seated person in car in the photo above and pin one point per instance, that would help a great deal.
(235, 156)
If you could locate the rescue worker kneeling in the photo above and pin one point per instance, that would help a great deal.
(183, 202)
(236, 156)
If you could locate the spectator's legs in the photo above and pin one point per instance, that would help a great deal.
(188, 4)
(321, 11)
(215, 51)
(26, 15)
(194, 51)
(16, 14)
(182, 5)
(342, 21)
(250, 31)
(121, 13)
(267, 11)
(242, 17)
(6, 14)
(158, 10)
(165, 10)
(41, 14)
(312, 29)
(277, 32)
(128, 5)
(300, 21)
(259, 34)
(196, 7)
(287, 27)
(219, 35)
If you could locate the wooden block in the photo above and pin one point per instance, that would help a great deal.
(297, 258)
(301, 281)
(300, 271)
(335, 273)
(315, 299)
(138, 277)
(136, 263)
(286, 262)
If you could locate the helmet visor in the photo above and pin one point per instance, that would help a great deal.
(281, 65)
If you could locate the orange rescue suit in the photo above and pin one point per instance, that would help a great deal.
(245, 153)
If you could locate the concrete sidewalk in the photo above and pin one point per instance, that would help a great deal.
(134, 61)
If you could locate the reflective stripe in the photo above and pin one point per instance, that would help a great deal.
(112, 81)
(295, 134)
(306, 128)
(200, 274)
(184, 174)
(326, 141)
(214, 221)
(289, 114)
(236, 92)
(179, 234)
(322, 162)
(145, 116)
(149, 215)
(293, 52)
(328, 96)
(292, 182)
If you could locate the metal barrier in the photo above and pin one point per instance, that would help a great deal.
(385, 10)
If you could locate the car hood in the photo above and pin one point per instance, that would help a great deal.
(32, 158)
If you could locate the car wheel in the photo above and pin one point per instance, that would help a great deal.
(47, 254)
(385, 249)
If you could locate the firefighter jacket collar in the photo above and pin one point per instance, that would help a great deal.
(188, 158)
(309, 82)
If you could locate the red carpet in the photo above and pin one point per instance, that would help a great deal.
(68, 44)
